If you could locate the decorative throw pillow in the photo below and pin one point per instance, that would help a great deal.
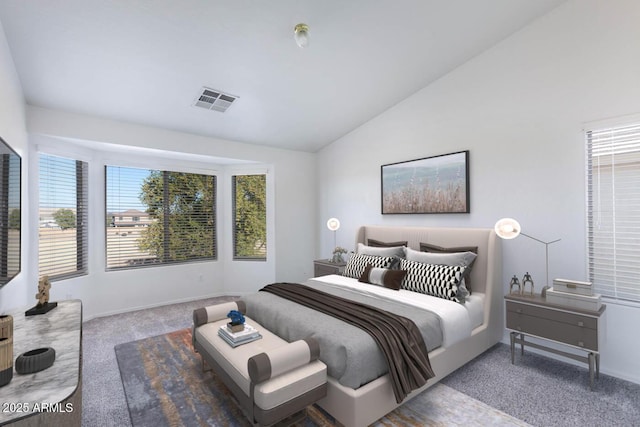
(463, 259)
(432, 279)
(427, 247)
(357, 263)
(381, 244)
(396, 252)
(391, 279)
(381, 251)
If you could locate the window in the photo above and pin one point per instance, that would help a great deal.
(62, 231)
(613, 211)
(159, 217)
(10, 170)
(249, 217)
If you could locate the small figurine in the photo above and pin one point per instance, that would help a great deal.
(515, 282)
(43, 306)
(44, 285)
(527, 280)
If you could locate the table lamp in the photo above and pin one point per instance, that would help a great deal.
(509, 228)
(333, 224)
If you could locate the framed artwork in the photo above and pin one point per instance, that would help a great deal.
(438, 184)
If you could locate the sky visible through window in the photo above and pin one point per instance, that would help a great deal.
(127, 183)
(131, 179)
(52, 193)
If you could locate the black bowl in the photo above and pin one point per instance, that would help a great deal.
(35, 360)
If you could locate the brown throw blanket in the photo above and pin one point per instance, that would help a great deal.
(398, 338)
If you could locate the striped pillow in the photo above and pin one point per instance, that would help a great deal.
(391, 279)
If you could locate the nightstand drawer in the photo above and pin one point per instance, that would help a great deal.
(323, 270)
(575, 319)
(535, 316)
(571, 334)
(325, 267)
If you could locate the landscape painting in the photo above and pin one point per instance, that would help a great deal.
(438, 184)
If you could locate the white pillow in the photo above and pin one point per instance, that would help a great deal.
(379, 251)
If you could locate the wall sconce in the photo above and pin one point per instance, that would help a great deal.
(301, 35)
(509, 228)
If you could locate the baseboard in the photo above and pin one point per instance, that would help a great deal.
(162, 304)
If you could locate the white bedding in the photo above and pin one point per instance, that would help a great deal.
(457, 320)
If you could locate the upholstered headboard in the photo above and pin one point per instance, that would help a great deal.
(486, 275)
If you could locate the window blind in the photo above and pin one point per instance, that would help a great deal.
(10, 167)
(613, 211)
(249, 217)
(63, 208)
(158, 217)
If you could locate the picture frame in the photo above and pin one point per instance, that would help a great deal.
(430, 185)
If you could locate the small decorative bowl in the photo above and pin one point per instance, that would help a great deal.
(35, 360)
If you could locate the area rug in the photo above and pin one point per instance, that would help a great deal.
(165, 386)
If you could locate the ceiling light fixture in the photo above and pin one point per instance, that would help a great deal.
(301, 35)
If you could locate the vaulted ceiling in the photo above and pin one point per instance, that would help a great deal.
(146, 61)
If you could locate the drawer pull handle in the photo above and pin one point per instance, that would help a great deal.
(581, 324)
(518, 310)
(580, 344)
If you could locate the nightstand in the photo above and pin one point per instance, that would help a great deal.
(323, 267)
(577, 328)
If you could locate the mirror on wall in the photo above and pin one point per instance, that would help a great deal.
(10, 197)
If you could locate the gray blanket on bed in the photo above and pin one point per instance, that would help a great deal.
(351, 354)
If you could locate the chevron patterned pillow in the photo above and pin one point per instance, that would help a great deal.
(432, 279)
(357, 263)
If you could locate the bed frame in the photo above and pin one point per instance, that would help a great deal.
(361, 407)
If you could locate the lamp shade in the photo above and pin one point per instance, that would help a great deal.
(507, 228)
(333, 224)
(301, 35)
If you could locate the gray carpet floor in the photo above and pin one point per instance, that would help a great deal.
(537, 389)
(103, 400)
(547, 392)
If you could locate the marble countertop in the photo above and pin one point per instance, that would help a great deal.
(61, 329)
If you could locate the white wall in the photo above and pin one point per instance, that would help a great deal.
(13, 130)
(291, 178)
(519, 108)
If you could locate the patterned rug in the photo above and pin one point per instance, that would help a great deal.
(165, 386)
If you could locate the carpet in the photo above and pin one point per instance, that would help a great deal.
(547, 392)
(164, 386)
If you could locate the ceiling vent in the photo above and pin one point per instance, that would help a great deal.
(212, 99)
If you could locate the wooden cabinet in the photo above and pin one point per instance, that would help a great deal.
(534, 316)
(323, 267)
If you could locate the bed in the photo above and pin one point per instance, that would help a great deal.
(467, 329)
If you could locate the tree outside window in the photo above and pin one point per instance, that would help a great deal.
(250, 217)
(179, 225)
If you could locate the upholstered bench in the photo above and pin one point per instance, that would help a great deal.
(272, 379)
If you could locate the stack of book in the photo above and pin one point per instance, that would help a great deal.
(234, 339)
